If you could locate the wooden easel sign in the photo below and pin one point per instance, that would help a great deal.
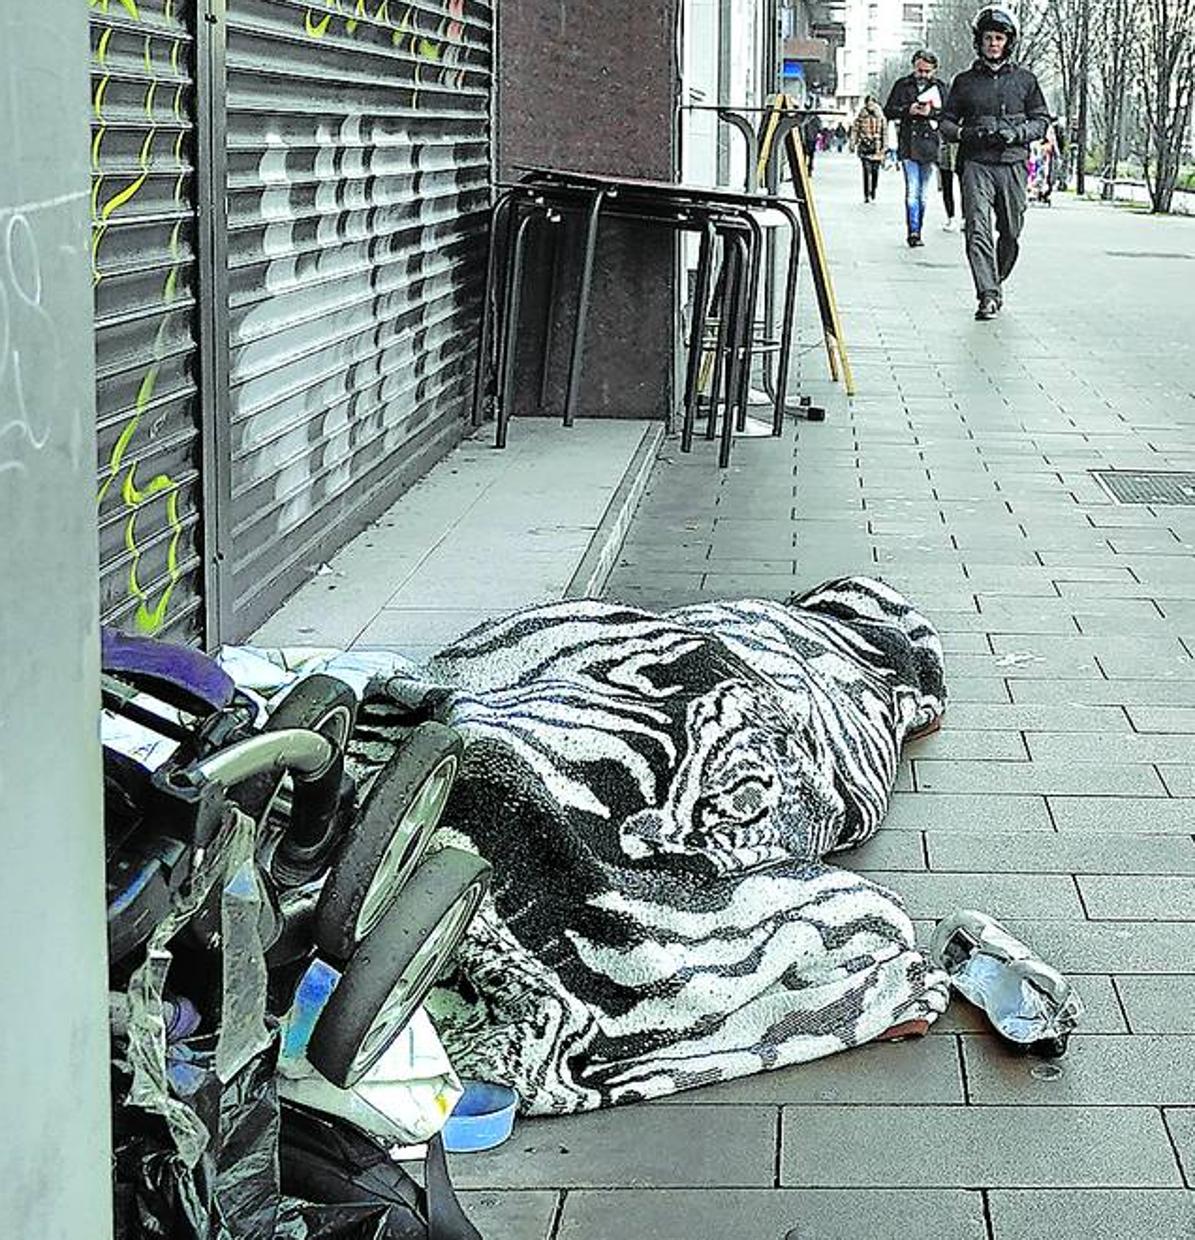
(783, 106)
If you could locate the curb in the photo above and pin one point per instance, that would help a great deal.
(598, 560)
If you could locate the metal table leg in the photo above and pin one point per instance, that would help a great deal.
(499, 218)
(510, 328)
(737, 300)
(701, 297)
(574, 367)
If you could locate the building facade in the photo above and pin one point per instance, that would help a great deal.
(875, 31)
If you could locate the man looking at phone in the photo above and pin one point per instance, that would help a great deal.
(915, 103)
(994, 110)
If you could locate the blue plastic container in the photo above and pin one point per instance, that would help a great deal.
(482, 1118)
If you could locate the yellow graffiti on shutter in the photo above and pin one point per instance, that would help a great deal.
(150, 614)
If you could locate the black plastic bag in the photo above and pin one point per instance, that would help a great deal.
(344, 1186)
(232, 1192)
(267, 1174)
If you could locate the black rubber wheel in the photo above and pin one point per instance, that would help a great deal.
(320, 704)
(393, 968)
(328, 706)
(387, 839)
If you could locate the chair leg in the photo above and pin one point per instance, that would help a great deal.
(737, 301)
(753, 266)
(721, 303)
(499, 219)
(786, 324)
(545, 361)
(574, 367)
(697, 335)
(510, 330)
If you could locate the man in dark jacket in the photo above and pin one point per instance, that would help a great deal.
(994, 110)
(915, 103)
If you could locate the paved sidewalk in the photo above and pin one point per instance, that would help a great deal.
(483, 533)
(1058, 796)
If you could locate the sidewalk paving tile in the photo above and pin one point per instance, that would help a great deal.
(512, 1214)
(1112, 747)
(1156, 897)
(1097, 1070)
(1164, 1004)
(1092, 1214)
(1181, 1122)
(1044, 778)
(1123, 814)
(1179, 780)
(922, 1070)
(888, 849)
(1038, 718)
(1089, 853)
(634, 1147)
(966, 813)
(1047, 896)
(978, 689)
(1162, 718)
(969, 1147)
(776, 1214)
(958, 742)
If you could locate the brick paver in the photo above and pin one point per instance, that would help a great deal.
(1059, 795)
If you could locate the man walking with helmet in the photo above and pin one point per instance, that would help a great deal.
(994, 111)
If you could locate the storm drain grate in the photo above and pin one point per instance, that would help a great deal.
(1132, 486)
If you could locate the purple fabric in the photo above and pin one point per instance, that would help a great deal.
(180, 675)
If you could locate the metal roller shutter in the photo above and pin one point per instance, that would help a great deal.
(358, 139)
(144, 271)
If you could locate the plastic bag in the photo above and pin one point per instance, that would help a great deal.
(1029, 1002)
(231, 1191)
(342, 1185)
(404, 1099)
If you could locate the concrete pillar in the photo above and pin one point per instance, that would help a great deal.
(55, 1169)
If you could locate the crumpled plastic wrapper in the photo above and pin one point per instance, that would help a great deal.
(1028, 1001)
(243, 1032)
(403, 1100)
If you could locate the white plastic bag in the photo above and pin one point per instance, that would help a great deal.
(405, 1098)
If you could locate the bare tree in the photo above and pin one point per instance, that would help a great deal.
(1060, 42)
(1164, 54)
(949, 34)
(1111, 39)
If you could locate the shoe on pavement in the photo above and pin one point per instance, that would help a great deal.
(988, 308)
(949, 225)
(915, 240)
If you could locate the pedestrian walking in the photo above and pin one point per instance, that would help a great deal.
(839, 137)
(915, 103)
(994, 110)
(811, 132)
(867, 141)
(947, 176)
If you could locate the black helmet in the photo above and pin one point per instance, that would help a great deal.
(994, 17)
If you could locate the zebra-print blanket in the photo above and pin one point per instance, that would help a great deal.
(657, 794)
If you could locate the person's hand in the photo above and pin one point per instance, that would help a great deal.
(975, 136)
(920, 109)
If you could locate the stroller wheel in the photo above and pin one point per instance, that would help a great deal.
(392, 970)
(387, 839)
(328, 706)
